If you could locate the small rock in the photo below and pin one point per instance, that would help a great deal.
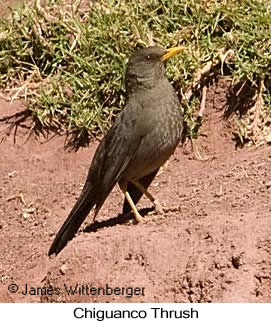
(63, 269)
(236, 261)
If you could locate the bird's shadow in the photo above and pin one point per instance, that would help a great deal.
(120, 219)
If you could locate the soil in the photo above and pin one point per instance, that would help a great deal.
(211, 244)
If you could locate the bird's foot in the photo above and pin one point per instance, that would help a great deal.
(138, 218)
(158, 207)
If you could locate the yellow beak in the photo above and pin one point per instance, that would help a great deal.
(171, 52)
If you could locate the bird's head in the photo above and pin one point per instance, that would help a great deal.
(146, 66)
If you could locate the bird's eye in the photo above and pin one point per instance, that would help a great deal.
(148, 57)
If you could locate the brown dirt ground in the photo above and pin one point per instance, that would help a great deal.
(212, 244)
(6, 5)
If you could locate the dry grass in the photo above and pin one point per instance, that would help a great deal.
(67, 60)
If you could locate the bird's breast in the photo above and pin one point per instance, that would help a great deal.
(161, 120)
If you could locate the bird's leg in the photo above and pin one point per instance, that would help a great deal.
(138, 217)
(157, 205)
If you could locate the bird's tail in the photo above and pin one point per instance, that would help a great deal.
(79, 212)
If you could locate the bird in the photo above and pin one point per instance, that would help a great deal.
(143, 137)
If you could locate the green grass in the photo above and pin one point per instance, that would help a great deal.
(68, 63)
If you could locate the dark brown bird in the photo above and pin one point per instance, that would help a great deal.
(141, 140)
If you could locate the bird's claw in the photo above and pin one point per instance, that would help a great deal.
(139, 218)
(158, 208)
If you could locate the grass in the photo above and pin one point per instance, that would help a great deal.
(67, 61)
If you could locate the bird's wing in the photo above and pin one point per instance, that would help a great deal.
(111, 158)
(117, 149)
